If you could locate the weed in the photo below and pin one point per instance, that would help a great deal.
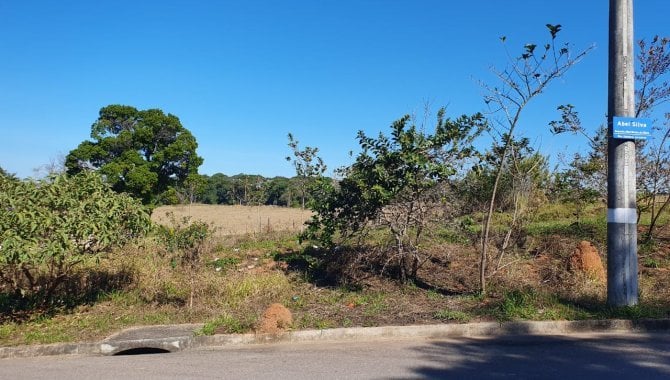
(634, 312)
(331, 298)
(185, 241)
(529, 303)
(375, 305)
(137, 286)
(452, 315)
(223, 264)
(555, 211)
(6, 330)
(588, 229)
(434, 295)
(518, 304)
(46, 331)
(173, 293)
(274, 242)
(252, 287)
(647, 248)
(156, 319)
(453, 237)
(121, 298)
(308, 321)
(650, 262)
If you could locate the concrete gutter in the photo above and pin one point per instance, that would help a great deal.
(173, 338)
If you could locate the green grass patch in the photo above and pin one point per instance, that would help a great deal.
(268, 243)
(555, 211)
(434, 295)
(531, 304)
(452, 236)
(375, 304)
(588, 229)
(7, 330)
(642, 311)
(453, 315)
(308, 321)
(268, 286)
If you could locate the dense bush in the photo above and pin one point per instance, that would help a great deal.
(47, 227)
(395, 182)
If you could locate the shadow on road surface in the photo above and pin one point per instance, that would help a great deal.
(639, 356)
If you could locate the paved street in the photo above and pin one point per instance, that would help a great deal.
(583, 356)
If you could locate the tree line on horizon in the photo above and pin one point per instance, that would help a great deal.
(251, 190)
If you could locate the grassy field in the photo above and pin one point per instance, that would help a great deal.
(255, 260)
(239, 220)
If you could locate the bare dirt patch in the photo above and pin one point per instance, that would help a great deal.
(238, 220)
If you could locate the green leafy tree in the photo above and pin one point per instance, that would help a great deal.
(4, 173)
(276, 190)
(246, 189)
(395, 183)
(218, 190)
(50, 226)
(141, 152)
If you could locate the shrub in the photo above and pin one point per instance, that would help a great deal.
(48, 227)
(185, 241)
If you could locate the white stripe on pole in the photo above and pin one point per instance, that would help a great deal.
(622, 215)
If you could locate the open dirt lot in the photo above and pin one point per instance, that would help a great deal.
(238, 220)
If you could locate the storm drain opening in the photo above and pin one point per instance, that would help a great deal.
(142, 351)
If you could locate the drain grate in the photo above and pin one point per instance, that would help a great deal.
(142, 351)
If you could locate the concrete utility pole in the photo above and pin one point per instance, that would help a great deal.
(622, 283)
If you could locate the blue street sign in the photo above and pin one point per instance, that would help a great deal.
(630, 128)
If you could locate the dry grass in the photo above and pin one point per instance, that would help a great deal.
(238, 276)
(238, 220)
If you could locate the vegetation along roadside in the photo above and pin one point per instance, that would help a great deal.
(423, 227)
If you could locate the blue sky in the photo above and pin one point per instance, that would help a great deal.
(241, 74)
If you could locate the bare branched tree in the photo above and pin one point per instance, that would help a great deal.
(524, 78)
(652, 90)
(308, 165)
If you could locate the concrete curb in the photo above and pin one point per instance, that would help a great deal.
(147, 337)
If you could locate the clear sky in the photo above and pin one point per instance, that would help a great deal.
(242, 74)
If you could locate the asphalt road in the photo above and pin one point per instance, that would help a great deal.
(582, 356)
